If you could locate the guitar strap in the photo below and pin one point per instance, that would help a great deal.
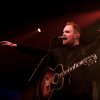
(83, 52)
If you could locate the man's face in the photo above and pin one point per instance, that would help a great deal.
(69, 33)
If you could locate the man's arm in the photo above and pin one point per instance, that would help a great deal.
(94, 46)
(24, 49)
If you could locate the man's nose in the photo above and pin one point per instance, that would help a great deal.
(63, 33)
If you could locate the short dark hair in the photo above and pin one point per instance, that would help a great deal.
(75, 26)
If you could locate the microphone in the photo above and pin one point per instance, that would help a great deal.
(61, 37)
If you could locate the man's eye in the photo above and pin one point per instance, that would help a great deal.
(66, 32)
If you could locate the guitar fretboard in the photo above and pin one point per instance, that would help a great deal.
(86, 61)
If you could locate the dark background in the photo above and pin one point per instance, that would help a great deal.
(19, 22)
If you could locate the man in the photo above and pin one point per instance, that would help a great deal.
(76, 84)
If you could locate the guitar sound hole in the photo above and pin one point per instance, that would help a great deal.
(55, 78)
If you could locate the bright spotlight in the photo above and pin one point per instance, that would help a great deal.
(39, 30)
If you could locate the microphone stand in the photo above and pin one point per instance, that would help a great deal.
(30, 78)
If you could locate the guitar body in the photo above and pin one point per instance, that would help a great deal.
(50, 82)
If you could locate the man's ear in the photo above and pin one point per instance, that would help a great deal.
(77, 35)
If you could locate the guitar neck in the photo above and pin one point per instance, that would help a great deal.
(72, 68)
(86, 61)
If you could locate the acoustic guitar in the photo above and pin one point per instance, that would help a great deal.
(53, 79)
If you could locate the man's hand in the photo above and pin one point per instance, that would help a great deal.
(7, 43)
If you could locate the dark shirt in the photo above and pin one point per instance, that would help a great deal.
(79, 87)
